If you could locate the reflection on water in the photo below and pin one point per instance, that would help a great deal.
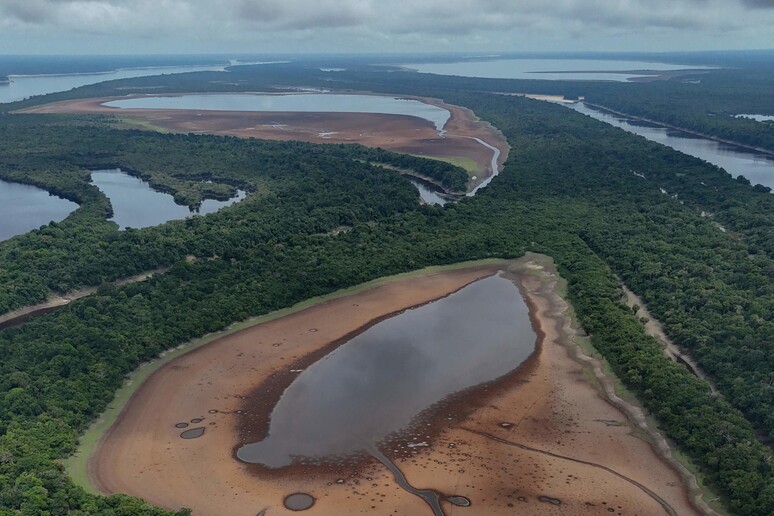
(379, 381)
(300, 102)
(24, 208)
(137, 205)
(554, 69)
(757, 167)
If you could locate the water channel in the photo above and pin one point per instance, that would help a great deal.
(757, 167)
(403, 365)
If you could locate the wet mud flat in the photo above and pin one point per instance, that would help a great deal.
(536, 441)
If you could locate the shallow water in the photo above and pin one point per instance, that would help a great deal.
(553, 69)
(24, 208)
(301, 102)
(378, 382)
(137, 205)
(757, 167)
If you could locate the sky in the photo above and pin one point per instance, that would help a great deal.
(280, 26)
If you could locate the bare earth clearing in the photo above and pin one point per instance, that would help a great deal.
(399, 133)
(544, 441)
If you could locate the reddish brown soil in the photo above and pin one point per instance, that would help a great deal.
(398, 133)
(563, 440)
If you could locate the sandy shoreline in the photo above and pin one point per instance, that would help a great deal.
(399, 133)
(546, 432)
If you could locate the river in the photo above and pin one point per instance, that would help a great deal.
(552, 69)
(757, 167)
(25, 86)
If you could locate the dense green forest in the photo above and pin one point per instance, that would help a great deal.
(87, 250)
(568, 190)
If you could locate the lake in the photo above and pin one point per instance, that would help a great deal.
(300, 102)
(370, 390)
(24, 208)
(757, 167)
(137, 205)
(25, 86)
(552, 69)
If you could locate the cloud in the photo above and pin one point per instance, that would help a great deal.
(419, 25)
(759, 3)
(306, 14)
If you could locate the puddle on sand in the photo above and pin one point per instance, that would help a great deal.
(459, 501)
(404, 365)
(298, 501)
(193, 433)
(181, 425)
(548, 499)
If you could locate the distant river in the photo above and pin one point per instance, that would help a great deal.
(553, 69)
(25, 86)
(297, 102)
(24, 208)
(757, 167)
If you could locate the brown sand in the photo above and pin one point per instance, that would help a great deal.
(575, 446)
(398, 133)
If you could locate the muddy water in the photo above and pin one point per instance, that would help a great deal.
(376, 384)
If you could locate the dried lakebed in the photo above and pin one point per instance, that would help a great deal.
(534, 438)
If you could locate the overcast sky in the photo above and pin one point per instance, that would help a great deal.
(255, 26)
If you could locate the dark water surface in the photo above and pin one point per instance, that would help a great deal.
(757, 167)
(24, 208)
(137, 205)
(378, 382)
